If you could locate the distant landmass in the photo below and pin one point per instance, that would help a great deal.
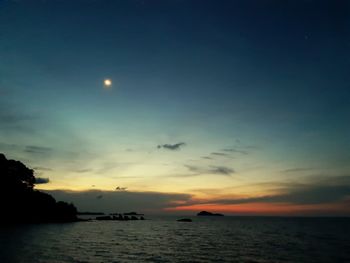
(206, 213)
(21, 203)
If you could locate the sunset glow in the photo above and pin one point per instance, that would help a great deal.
(220, 108)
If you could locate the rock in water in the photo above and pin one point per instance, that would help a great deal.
(206, 213)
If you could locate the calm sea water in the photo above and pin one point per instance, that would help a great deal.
(162, 239)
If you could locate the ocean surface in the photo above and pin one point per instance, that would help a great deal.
(162, 239)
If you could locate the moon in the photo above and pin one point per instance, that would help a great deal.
(107, 83)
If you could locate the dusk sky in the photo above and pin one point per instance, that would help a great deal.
(239, 107)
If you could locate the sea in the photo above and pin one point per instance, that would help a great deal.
(163, 239)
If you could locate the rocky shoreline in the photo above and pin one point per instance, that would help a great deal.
(120, 217)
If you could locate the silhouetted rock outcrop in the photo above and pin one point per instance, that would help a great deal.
(22, 204)
(206, 213)
(119, 217)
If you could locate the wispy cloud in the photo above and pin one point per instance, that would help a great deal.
(219, 154)
(192, 168)
(172, 147)
(234, 150)
(220, 170)
(40, 180)
(316, 192)
(37, 149)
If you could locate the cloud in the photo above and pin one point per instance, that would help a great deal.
(219, 154)
(118, 188)
(120, 201)
(172, 147)
(37, 149)
(206, 191)
(234, 150)
(308, 195)
(220, 170)
(192, 168)
(318, 192)
(40, 180)
(335, 190)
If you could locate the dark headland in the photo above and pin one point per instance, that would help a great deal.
(206, 213)
(21, 203)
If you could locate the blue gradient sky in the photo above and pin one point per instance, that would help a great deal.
(257, 90)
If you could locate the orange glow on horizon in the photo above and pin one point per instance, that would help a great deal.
(266, 209)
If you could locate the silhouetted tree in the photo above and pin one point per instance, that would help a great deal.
(15, 174)
(19, 202)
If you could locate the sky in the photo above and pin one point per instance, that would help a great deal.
(239, 107)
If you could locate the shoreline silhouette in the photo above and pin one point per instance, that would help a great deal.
(21, 203)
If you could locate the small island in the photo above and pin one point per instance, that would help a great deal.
(121, 217)
(206, 213)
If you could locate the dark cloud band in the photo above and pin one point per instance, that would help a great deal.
(172, 147)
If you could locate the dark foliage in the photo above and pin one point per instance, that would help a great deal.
(19, 202)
